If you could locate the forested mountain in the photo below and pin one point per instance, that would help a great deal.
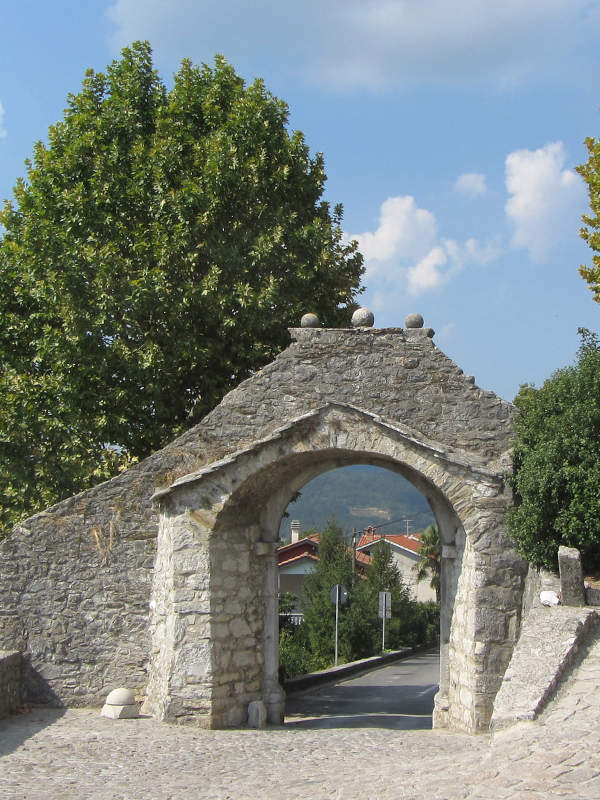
(359, 496)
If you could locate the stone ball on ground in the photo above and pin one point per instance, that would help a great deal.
(121, 697)
(363, 318)
(414, 321)
(310, 321)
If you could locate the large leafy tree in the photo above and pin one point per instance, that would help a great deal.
(590, 172)
(155, 254)
(556, 473)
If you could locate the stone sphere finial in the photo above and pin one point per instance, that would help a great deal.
(363, 318)
(310, 321)
(414, 321)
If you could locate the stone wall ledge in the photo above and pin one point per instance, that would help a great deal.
(10, 682)
(343, 671)
(549, 641)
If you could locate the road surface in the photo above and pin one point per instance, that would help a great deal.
(398, 696)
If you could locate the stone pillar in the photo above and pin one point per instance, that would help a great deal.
(273, 694)
(447, 588)
(571, 576)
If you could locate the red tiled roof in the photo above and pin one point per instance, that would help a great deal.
(399, 539)
(312, 539)
(300, 549)
(363, 558)
(308, 547)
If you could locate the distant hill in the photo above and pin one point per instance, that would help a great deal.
(357, 497)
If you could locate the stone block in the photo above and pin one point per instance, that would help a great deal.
(592, 596)
(257, 714)
(120, 712)
(571, 576)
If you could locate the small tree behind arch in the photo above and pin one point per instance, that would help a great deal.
(429, 566)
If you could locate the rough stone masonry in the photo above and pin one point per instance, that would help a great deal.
(176, 596)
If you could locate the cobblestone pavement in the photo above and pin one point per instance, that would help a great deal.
(78, 754)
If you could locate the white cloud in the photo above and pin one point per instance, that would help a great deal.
(405, 252)
(348, 43)
(403, 228)
(428, 273)
(2, 128)
(471, 184)
(545, 200)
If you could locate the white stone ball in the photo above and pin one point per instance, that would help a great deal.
(414, 321)
(310, 321)
(120, 697)
(363, 318)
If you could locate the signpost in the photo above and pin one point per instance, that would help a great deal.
(385, 612)
(339, 596)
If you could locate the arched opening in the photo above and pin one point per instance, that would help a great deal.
(281, 481)
(359, 509)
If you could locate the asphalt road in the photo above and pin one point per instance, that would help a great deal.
(399, 696)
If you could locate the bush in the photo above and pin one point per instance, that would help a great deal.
(294, 656)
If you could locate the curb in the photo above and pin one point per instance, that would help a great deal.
(302, 682)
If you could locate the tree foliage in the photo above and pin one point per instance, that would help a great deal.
(590, 233)
(556, 472)
(364, 627)
(159, 247)
(334, 566)
(360, 629)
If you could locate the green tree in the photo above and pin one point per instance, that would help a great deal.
(590, 233)
(334, 566)
(362, 626)
(429, 565)
(153, 257)
(556, 462)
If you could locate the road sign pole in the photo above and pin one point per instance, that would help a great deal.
(383, 632)
(337, 611)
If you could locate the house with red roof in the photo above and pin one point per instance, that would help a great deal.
(297, 559)
(405, 550)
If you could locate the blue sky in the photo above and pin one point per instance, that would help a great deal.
(450, 130)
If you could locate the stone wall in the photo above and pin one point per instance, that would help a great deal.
(10, 682)
(76, 580)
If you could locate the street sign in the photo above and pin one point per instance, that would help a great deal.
(385, 612)
(338, 594)
(385, 605)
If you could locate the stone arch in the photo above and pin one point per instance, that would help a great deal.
(214, 597)
(95, 597)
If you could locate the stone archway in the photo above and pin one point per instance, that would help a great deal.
(215, 588)
(173, 599)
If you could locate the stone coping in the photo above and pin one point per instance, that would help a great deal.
(303, 682)
(435, 449)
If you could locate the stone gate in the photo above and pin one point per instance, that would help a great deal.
(164, 579)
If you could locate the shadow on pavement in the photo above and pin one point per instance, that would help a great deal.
(16, 729)
(364, 702)
(398, 722)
